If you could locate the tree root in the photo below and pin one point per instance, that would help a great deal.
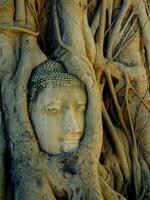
(17, 28)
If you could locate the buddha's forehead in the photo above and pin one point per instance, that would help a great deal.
(62, 94)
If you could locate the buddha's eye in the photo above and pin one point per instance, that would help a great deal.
(53, 109)
(81, 108)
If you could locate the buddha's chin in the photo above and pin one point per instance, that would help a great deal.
(69, 145)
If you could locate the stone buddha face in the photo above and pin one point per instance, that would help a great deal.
(58, 111)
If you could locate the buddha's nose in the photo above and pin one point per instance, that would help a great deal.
(70, 122)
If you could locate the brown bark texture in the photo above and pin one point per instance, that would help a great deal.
(105, 44)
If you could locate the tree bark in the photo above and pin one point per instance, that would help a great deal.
(105, 44)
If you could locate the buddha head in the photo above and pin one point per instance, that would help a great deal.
(57, 105)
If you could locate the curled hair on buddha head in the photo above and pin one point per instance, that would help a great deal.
(50, 72)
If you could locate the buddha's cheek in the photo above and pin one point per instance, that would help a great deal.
(54, 134)
(48, 130)
(81, 122)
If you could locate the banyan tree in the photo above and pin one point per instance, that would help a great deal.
(75, 99)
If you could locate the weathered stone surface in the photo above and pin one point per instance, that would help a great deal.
(84, 132)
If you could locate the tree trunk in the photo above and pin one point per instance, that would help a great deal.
(104, 44)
